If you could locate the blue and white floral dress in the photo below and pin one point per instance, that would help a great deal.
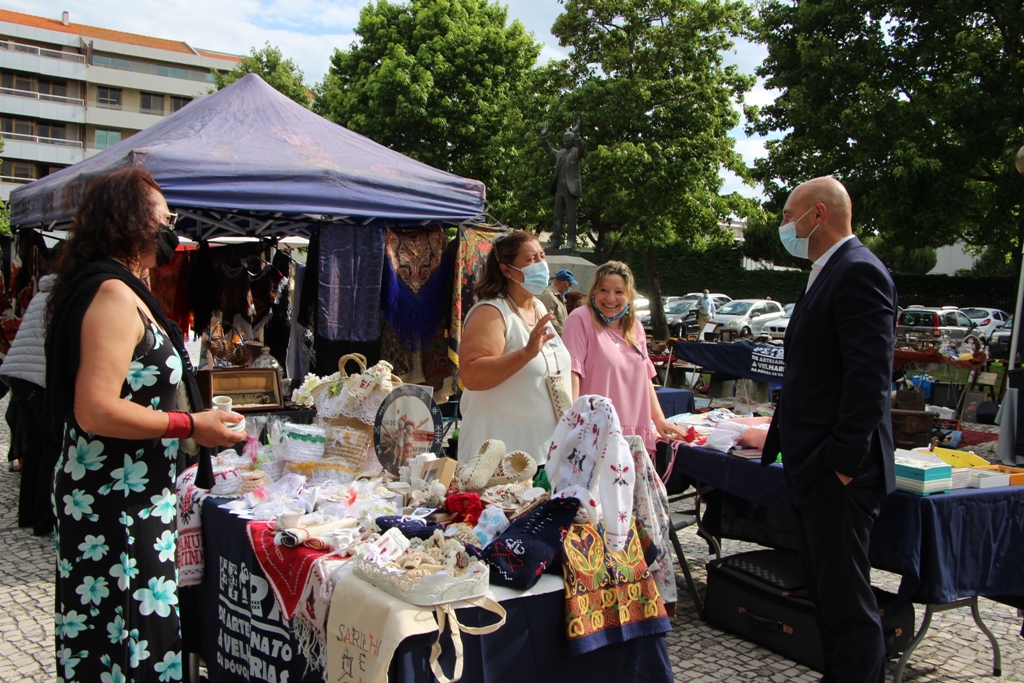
(117, 586)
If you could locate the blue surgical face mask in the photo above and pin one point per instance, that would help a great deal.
(606, 319)
(535, 277)
(797, 246)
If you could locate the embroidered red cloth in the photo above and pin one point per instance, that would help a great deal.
(287, 569)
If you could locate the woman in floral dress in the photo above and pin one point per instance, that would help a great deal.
(112, 371)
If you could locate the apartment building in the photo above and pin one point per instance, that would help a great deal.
(68, 90)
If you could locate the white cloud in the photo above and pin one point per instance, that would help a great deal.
(307, 31)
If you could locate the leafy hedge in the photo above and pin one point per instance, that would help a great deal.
(720, 269)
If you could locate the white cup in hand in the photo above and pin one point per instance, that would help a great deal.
(222, 403)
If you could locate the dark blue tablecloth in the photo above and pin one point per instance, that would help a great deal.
(243, 636)
(675, 401)
(749, 360)
(945, 546)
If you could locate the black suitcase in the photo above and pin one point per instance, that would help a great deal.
(760, 596)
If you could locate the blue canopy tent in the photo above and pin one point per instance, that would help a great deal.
(248, 161)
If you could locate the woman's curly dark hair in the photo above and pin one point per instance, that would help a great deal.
(492, 282)
(114, 220)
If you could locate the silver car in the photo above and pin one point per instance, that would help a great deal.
(933, 324)
(747, 316)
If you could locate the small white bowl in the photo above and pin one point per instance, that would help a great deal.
(289, 519)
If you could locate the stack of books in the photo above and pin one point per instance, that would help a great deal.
(922, 477)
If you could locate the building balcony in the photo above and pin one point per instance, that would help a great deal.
(38, 60)
(124, 118)
(29, 104)
(41, 51)
(9, 184)
(47, 150)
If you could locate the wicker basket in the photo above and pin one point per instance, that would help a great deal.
(223, 349)
(349, 443)
(343, 421)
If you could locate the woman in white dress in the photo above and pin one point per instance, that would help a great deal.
(508, 347)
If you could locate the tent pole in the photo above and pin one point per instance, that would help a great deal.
(1015, 337)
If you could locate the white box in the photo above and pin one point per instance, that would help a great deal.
(980, 479)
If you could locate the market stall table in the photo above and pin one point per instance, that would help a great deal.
(675, 401)
(245, 638)
(948, 548)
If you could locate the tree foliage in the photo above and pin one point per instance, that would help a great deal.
(916, 107)
(648, 81)
(902, 259)
(433, 79)
(280, 73)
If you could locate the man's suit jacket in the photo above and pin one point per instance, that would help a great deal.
(834, 410)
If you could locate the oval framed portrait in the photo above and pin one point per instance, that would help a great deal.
(408, 423)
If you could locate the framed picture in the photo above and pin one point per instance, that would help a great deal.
(408, 423)
(972, 399)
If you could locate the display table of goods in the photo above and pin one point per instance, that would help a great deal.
(346, 547)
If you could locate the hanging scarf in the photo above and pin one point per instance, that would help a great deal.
(416, 284)
(63, 345)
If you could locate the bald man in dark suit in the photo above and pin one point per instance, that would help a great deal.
(833, 424)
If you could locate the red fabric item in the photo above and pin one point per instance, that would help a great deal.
(287, 569)
(466, 507)
(180, 425)
(169, 285)
(901, 357)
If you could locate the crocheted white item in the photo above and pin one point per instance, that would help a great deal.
(431, 589)
(301, 443)
(475, 474)
(303, 394)
(590, 460)
(517, 466)
(358, 397)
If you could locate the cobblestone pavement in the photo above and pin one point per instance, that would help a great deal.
(955, 650)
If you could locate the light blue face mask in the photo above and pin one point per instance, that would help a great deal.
(797, 246)
(535, 277)
(606, 319)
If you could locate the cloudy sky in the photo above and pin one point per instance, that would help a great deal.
(308, 31)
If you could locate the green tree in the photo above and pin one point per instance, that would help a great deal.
(280, 73)
(900, 259)
(433, 79)
(657, 102)
(916, 107)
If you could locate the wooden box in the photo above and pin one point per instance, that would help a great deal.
(250, 389)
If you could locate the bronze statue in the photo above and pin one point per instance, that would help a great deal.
(565, 186)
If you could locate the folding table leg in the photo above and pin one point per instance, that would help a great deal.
(997, 661)
(690, 585)
(925, 623)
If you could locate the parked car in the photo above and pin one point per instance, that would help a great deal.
(776, 329)
(999, 344)
(933, 323)
(988, 320)
(673, 314)
(642, 306)
(747, 316)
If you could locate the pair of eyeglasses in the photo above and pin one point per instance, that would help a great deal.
(169, 220)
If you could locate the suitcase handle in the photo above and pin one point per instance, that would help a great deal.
(765, 623)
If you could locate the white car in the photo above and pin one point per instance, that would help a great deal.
(747, 316)
(776, 329)
(988, 320)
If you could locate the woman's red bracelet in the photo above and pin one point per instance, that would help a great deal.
(180, 425)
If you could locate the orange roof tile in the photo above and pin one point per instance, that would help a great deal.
(218, 55)
(94, 32)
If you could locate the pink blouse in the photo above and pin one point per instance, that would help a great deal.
(609, 366)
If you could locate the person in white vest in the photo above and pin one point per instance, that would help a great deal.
(24, 371)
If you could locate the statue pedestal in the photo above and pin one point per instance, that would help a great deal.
(581, 268)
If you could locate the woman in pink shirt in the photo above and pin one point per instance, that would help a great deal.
(609, 354)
